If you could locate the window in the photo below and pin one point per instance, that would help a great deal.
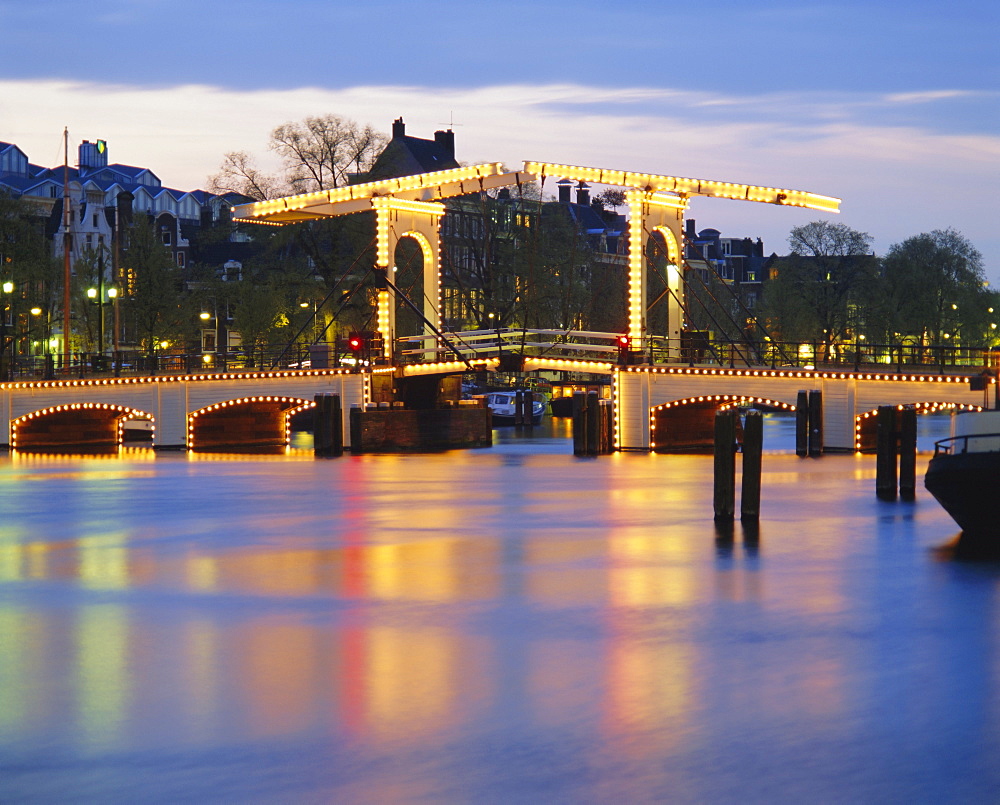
(95, 220)
(180, 259)
(167, 239)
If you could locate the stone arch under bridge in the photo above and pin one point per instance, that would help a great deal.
(77, 424)
(865, 427)
(689, 423)
(258, 420)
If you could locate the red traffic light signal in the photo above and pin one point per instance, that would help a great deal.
(624, 342)
(355, 342)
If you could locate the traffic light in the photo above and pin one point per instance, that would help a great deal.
(356, 343)
(624, 348)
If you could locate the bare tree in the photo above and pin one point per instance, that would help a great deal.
(239, 173)
(319, 152)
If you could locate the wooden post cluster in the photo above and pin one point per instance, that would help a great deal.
(592, 424)
(809, 423)
(725, 465)
(896, 438)
(328, 426)
(524, 403)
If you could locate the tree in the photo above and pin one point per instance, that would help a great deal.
(819, 291)
(316, 153)
(319, 152)
(26, 261)
(934, 288)
(152, 292)
(239, 173)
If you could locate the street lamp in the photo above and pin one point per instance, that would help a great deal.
(8, 289)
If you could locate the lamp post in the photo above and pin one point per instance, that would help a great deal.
(8, 289)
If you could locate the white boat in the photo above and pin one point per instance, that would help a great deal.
(503, 404)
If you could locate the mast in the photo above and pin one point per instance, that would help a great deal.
(67, 246)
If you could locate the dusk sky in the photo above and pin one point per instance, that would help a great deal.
(892, 107)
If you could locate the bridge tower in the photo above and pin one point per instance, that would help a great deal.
(656, 222)
(395, 220)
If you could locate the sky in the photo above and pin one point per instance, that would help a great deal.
(892, 107)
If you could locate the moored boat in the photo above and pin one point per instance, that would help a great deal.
(964, 474)
(562, 394)
(503, 405)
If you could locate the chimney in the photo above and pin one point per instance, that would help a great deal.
(689, 230)
(583, 194)
(124, 204)
(565, 188)
(398, 128)
(446, 139)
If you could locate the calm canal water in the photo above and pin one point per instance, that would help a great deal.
(503, 625)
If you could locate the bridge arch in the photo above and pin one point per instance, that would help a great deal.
(689, 423)
(80, 424)
(865, 423)
(253, 421)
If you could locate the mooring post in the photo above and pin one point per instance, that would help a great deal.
(579, 423)
(725, 464)
(593, 424)
(321, 436)
(815, 422)
(802, 423)
(528, 409)
(607, 427)
(336, 425)
(518, 409)
(328, 426)
(753, 448)
(908, 453)
(885, 457)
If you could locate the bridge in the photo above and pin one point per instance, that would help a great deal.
(670, 392)
(652, 402)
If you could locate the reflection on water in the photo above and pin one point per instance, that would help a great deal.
(507, 624)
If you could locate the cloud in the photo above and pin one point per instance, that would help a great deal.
(898, 177)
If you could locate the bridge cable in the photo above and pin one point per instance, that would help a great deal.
(680, 302)
(343, 302)
(750, 315)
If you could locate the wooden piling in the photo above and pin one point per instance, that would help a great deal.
(725, 464)
(908, 453)
(336, 426)
(328, 426)
(815, 422)
(753, 448)
(593, 424)
(885, 458)
(321, 436)
(579, 423)
(802, 423)
(607, 427)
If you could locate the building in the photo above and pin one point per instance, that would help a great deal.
(102, 193)
(104, 198)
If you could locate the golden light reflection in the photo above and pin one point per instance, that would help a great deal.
(103, 562)
(202, 573)
(17, 660)
(200, 668)
(411, 680)
(103, 682)
(652, 687)
(281, 675)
